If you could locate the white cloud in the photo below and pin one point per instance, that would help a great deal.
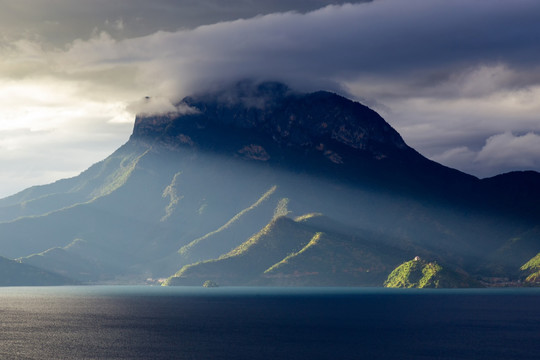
(158, 106)
(511, 151)
(501, 153)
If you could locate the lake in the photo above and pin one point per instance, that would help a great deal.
(143, 322)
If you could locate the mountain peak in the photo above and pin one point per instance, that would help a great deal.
(272, 110)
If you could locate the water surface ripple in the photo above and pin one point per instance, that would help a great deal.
(126, 322)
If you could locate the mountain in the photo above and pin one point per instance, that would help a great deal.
(258, 184)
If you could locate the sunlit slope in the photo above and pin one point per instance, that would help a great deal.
(531, 271)
(418, 273)
(99, 180)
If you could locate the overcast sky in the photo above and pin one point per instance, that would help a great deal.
(460, 80)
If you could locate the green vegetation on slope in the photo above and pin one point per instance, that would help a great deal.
(314, 240)
(532, 268)
(419, 273)
(118, 177)
(281, 230)
(533, 264)
(174, 198)
(99, 180)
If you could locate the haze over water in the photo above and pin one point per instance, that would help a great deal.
(268, 323)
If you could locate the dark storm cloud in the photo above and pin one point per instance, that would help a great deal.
(60, 21)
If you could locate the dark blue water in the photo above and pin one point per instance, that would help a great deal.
(268, 323)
